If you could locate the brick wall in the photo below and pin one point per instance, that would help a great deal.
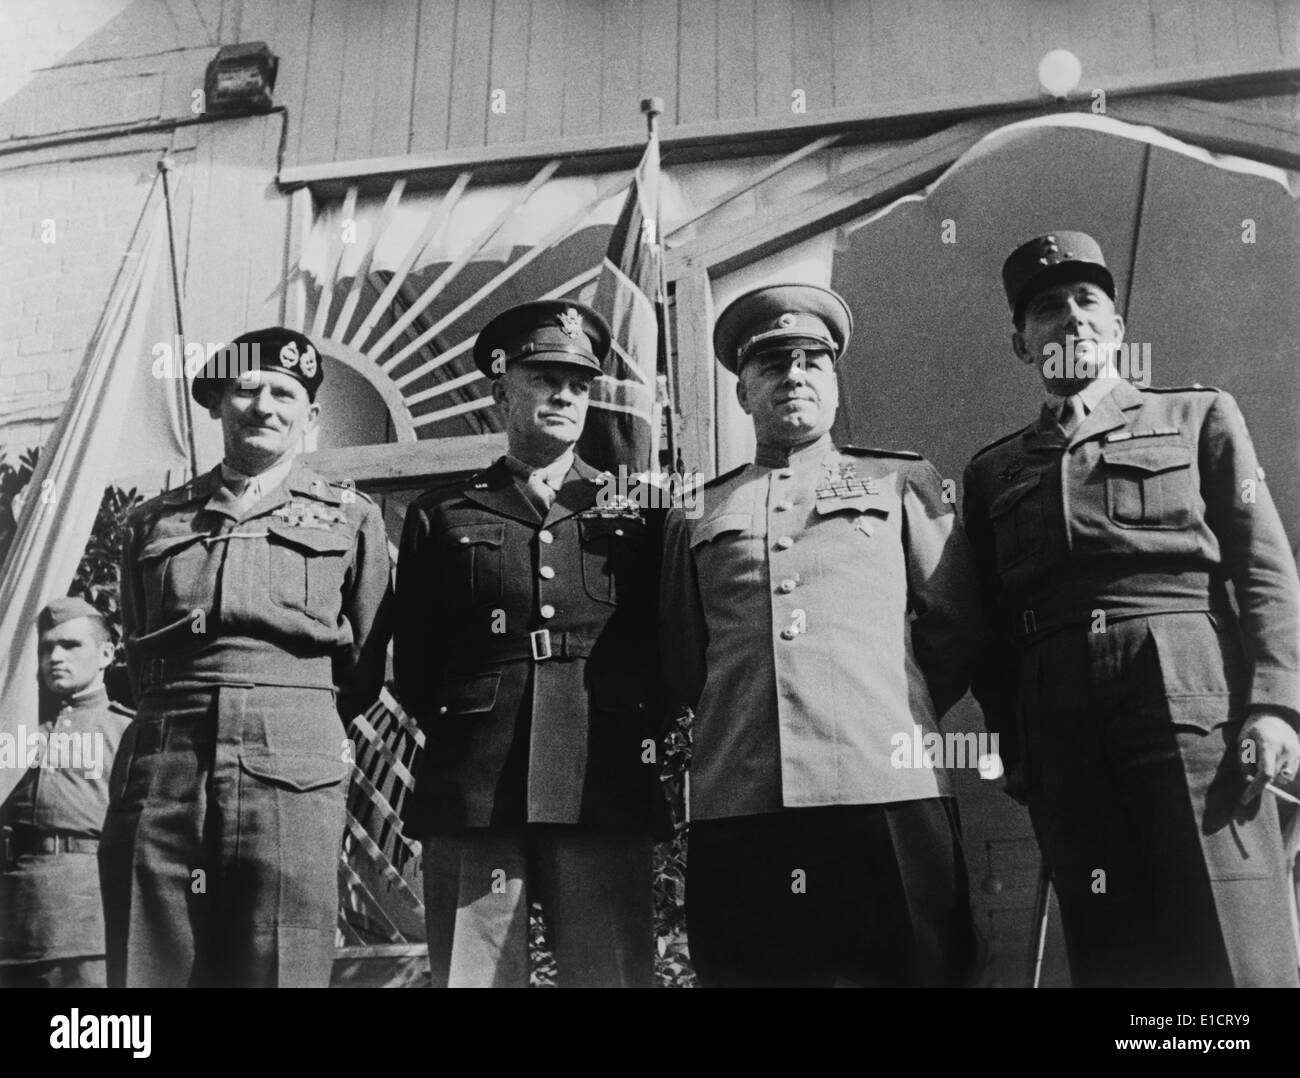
(64, 226)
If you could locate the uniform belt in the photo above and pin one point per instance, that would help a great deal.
(538, 646)
(26, 841)
(272, 667)
(1031, 624)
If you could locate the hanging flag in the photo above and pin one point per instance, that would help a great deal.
(120, 420)
(623, 421)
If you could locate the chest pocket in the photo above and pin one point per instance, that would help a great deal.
(1018, 516)
(609, 546)
(172, 570)
(1149, 485)
(728, 551)
(307, 568)
(475, 552)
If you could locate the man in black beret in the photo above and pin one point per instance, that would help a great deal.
(1141, 711)
(525, 649)
(254, 604)
(51, 917)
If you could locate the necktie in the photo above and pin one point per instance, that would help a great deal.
(542, 491)
(246, 489)
(1071, 416)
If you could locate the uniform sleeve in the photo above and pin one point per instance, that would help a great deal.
(367, 606)
(942, 593)
(994, 682)
(417, 632)
(683, 634)
(131, 603)
(1254, 547)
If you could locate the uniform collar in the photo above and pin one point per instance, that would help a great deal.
(780, 456)
(1088, 398)
(1113, 403)
(92, 696)
(269, 479)
(552, 474)
(498, 489)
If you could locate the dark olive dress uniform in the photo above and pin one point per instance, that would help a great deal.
(51, 917)
(253, 631)
(819, 607)
(525, 647)
(1121, 672)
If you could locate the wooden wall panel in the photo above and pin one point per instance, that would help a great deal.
(697, 52)
(511, 21)
(620, 88)
(544, 106)
(658, 63)
(431, 100)
(580, 57)
(814, 59)
(737, 72)
(773, 57)
(363, 73)
(394, 78)
(1173, 32)
(319, 117)
(469, 74)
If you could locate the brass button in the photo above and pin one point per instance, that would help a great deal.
(547, 610)
(618, 531)
(781, 507)
(464, 538)
(442, 710)
(789, 634)
(545, 536)
(784, 543)
(546, 572)
(786, 587)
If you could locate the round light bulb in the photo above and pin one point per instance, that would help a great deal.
(1059, 73)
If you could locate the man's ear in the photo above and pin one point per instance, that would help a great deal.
(106, 653)
(499, 391)
(1119, 326)
(1020, 348)
(313, 418)
(742, 395)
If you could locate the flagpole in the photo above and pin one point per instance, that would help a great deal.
(653, 108)
(166, 166)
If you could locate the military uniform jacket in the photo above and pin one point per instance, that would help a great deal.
(817, 609)
(50, 904)
(1154, 503)
(485, 587)
(293, 590)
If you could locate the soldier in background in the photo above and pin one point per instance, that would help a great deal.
(1141, 715)
(821, 607)
(51, 916)
(525, 649)
(254, 602)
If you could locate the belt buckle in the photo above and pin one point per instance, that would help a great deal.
(1028, 622)
(540, 641)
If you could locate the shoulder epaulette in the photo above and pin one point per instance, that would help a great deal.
(1197, 388)
(725, 476)
(350, 484)
(450, 489)
(899, 454)
(1000, 441)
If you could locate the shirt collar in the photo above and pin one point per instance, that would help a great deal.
(1087, 399)
(552, 474)
(783, 456)
(93, 695)
(267, 480)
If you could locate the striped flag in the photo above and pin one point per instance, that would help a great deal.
(623, 423)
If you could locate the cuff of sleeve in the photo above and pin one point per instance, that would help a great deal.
(1277, 690)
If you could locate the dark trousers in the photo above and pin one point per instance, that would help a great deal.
(1130, 754)
(219, 855)
(595, 890)
(858, 894)
(56, 973)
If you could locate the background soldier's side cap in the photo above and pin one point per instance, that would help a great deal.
(781, 316)
(273, 349)
(1053, 259)
(544, 331)
(57, 611)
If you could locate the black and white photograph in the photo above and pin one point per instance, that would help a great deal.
(653, 494)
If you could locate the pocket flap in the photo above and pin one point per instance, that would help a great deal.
(474, 695)
(1148, 458)
(1008, 499)
(295, 770)
(312, 540)
(490, 534)
(161, 545)
(710, 529)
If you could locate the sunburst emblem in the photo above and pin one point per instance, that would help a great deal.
(571, 323)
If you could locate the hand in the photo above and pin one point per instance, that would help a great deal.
(1268, 748)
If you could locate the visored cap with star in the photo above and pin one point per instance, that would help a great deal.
(781, 316)
(1050, 259)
